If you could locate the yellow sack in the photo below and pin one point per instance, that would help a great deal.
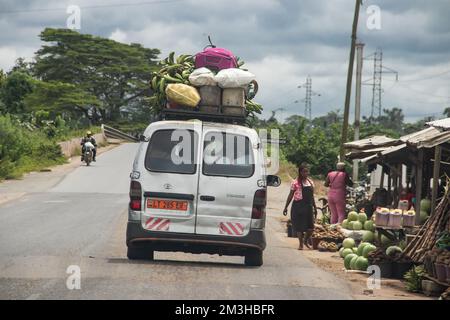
(183, 94)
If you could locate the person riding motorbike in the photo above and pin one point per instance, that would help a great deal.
(91, 139)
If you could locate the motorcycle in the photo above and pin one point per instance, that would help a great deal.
(88, 153)
(357, 197)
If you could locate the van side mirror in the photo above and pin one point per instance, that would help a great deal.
(273, 181)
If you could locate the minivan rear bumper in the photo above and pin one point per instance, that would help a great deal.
(194, 243)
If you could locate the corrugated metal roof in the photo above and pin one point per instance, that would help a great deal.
(371, 142)
(427, 138)
(384, 152)
(443, 124)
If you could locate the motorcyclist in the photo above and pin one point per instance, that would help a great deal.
(91, 139)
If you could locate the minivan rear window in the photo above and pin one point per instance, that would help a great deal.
(228, 155)
(172, 151)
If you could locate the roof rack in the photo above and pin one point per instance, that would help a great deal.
(177, 114)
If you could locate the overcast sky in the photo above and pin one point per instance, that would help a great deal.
(281, 41)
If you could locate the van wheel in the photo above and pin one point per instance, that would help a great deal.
(254, 259)
(134, 253)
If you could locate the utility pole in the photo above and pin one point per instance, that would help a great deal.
(359, 65)
(308, 98)
(377, 77)
(349, 80)
(378, 70)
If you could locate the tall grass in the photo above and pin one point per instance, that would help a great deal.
(23, 151)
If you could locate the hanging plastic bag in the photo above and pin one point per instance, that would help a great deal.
(183, 94)
(202, 77)
(234, 78)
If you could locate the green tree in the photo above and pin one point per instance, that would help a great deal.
(22, 66)
(58, 98)
(330, 118)
(13, 90)
(115, 73)
(446, 112)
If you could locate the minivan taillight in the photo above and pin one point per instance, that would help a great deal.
(259, 204)
(135, 196)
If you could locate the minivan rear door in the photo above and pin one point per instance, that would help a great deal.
(228, 180)
(170, 180)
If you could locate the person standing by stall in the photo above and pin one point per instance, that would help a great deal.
(303, 210)
(337, 181)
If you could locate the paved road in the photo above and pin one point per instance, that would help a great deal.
(79, 218)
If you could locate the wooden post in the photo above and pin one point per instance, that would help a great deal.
(419, 183)
(436, 170)
(348, 91)
(382, 177)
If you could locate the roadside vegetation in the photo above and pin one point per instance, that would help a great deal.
(74, 83)
(317, 142)
(78, 81)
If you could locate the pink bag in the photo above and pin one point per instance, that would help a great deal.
(215, 59)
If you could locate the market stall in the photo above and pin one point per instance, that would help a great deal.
(415, 214)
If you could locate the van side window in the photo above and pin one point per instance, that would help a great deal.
(228, 155)
(172, 151)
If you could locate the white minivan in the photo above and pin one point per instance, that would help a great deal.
(198, 187)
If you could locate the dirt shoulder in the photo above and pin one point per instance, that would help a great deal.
(331, 262)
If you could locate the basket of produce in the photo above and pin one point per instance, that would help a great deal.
(327, 246)
(409, 219)
(382, 217)
(184, 84)
(395, 219)
(324, 233)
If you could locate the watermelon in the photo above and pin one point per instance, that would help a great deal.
(355, 250)
(425, 205)
(348, 243)
(344, 224)
(368, 225)
(392, 250)
(346, 252)
(357, 225)
(385, 241)
(361, 248)
(348, 259)
(368, 249)
(353, 263)
(368, 236)
(361, 263)
(362, 217)
(350, 225)
(352, 216)
(423, 217)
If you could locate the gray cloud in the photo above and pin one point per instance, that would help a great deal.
(282, 41)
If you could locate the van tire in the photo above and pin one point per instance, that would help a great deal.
(134, 253)
(254, 259)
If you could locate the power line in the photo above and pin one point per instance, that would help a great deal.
(437, 75)
(98, 6)
(423, 93)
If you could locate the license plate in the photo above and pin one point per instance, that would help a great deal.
(173, 205)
